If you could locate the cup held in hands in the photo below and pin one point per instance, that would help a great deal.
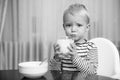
(64, 44)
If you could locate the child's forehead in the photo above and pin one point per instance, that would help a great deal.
(74, 17)
(77, 15)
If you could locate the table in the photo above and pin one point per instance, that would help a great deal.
(50, 75)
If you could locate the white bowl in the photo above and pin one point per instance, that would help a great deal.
(33, 69)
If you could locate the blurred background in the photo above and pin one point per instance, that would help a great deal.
(28, 28)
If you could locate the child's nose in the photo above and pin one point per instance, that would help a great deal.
(73, 29)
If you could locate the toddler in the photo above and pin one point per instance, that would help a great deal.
(82, 54)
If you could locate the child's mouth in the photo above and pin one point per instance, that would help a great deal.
(72, 36)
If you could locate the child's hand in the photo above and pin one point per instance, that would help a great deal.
(58, 54)
(72, 50)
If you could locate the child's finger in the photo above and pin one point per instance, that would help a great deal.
(70, 49)
(61, 55)
(56, 45)
(70, 53)
(56, 57)
(58, 52)
(56, 48)
(73, 46)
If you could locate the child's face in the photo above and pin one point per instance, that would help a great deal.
(75, 26)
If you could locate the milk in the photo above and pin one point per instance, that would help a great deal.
(64, 44)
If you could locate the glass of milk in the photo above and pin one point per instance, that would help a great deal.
(64, 43)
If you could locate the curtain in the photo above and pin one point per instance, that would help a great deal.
(32, 26)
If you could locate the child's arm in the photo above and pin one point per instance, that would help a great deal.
(54, 65)
(55, 62)
(88, 65)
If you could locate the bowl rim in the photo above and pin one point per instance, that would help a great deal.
(23, 64)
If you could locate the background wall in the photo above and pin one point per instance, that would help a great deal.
(32, 26)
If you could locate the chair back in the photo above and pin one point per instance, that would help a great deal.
(108, 57)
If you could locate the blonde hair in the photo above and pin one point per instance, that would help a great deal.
(77, 8)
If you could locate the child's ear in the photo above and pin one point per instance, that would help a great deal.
(88, 27)
(64, 26)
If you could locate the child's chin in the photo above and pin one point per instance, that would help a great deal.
(74, 38)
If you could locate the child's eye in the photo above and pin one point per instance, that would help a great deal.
(68, 25)
(79, 25)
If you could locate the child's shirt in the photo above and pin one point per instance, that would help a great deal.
(85, 61)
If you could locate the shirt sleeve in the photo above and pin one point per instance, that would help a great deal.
(88, 65)
(55, 63)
